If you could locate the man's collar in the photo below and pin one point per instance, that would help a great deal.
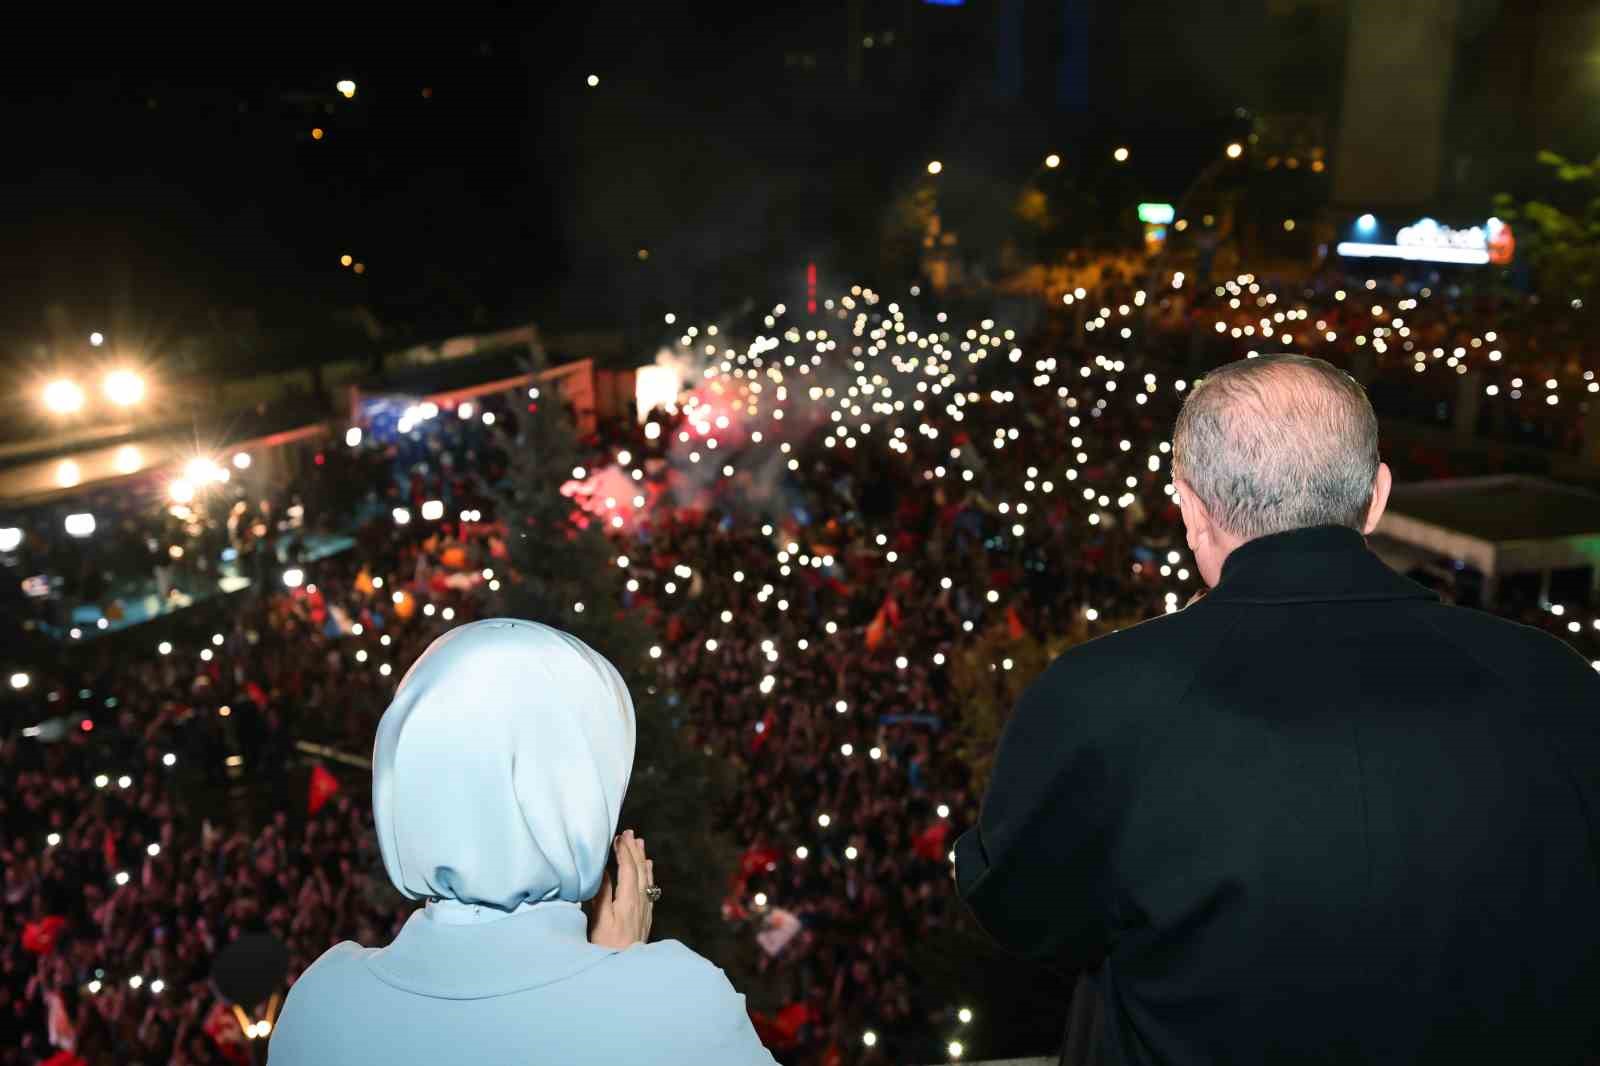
(1313, 565)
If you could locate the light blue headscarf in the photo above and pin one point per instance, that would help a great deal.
(499, 769)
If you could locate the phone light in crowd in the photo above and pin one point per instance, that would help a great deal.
(63, 397)
(169, 759)
(1052, 161)
(1235, 150)
(294, 577)
(352, 437)
(123, 388)
(346, 87)
(432, 510)
(464, 411)
(10, 539)
(1120, 155)
(20, 681)
(181, 491)
(128, 459)
(964, 1015)
(760, 899)
(53, 839)
(122, 878)
(401, 516)
(955, 1049)
(869, 1038)
(152, 850)
(944, 810)
(935, 167)
(80, 524)
(241, 460)
(97, 338)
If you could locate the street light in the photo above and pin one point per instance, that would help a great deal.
(123, 388)
(97, 338)
(1052, 161)
(346, 87)
(63, 396)
(1235, 150)
(935, 166)
(1120, 155)
(593, 80)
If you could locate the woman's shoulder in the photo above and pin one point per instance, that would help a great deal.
(684, 1000)
(334, 973)
(671, 964)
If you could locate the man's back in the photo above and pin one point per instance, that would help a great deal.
(1315, 817)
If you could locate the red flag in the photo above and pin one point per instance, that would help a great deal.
(323, 786)
(930, 842)
(39, 938)
(109, 847)
(1014, 624)
(891, 611)
(875, 631)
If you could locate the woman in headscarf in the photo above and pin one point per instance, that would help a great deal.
(497, 777)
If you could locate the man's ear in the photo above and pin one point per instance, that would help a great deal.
(1380, 497)
(1196, 519)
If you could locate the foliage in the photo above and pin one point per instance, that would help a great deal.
(558, 560)
(1559, 236)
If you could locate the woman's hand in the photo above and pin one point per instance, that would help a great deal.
(619, 915)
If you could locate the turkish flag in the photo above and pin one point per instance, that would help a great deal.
(891, 611)
(1014, 624)
(39, 938)
(875, 631)
(930, 842)
(323, 786)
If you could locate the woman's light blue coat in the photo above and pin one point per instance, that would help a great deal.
(498, 775)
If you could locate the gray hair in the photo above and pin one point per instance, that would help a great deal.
(1276, 443)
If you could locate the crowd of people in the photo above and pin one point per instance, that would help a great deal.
(832, 515)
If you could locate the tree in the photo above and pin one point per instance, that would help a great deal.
(563, 573)
(1559, 237)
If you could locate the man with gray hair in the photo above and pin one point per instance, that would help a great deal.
(1317, 816)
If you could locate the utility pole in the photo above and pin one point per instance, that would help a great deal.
(853, 44)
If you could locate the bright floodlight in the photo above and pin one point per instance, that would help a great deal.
(10, 539)
(181, 490)
(80, 524)
(124, 388)
(294, 577)
(63, 396)
(346, 87)
(656, 385)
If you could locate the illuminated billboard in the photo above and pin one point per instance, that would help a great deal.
(1428, 241)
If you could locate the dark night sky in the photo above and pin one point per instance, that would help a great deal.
(160, 176)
